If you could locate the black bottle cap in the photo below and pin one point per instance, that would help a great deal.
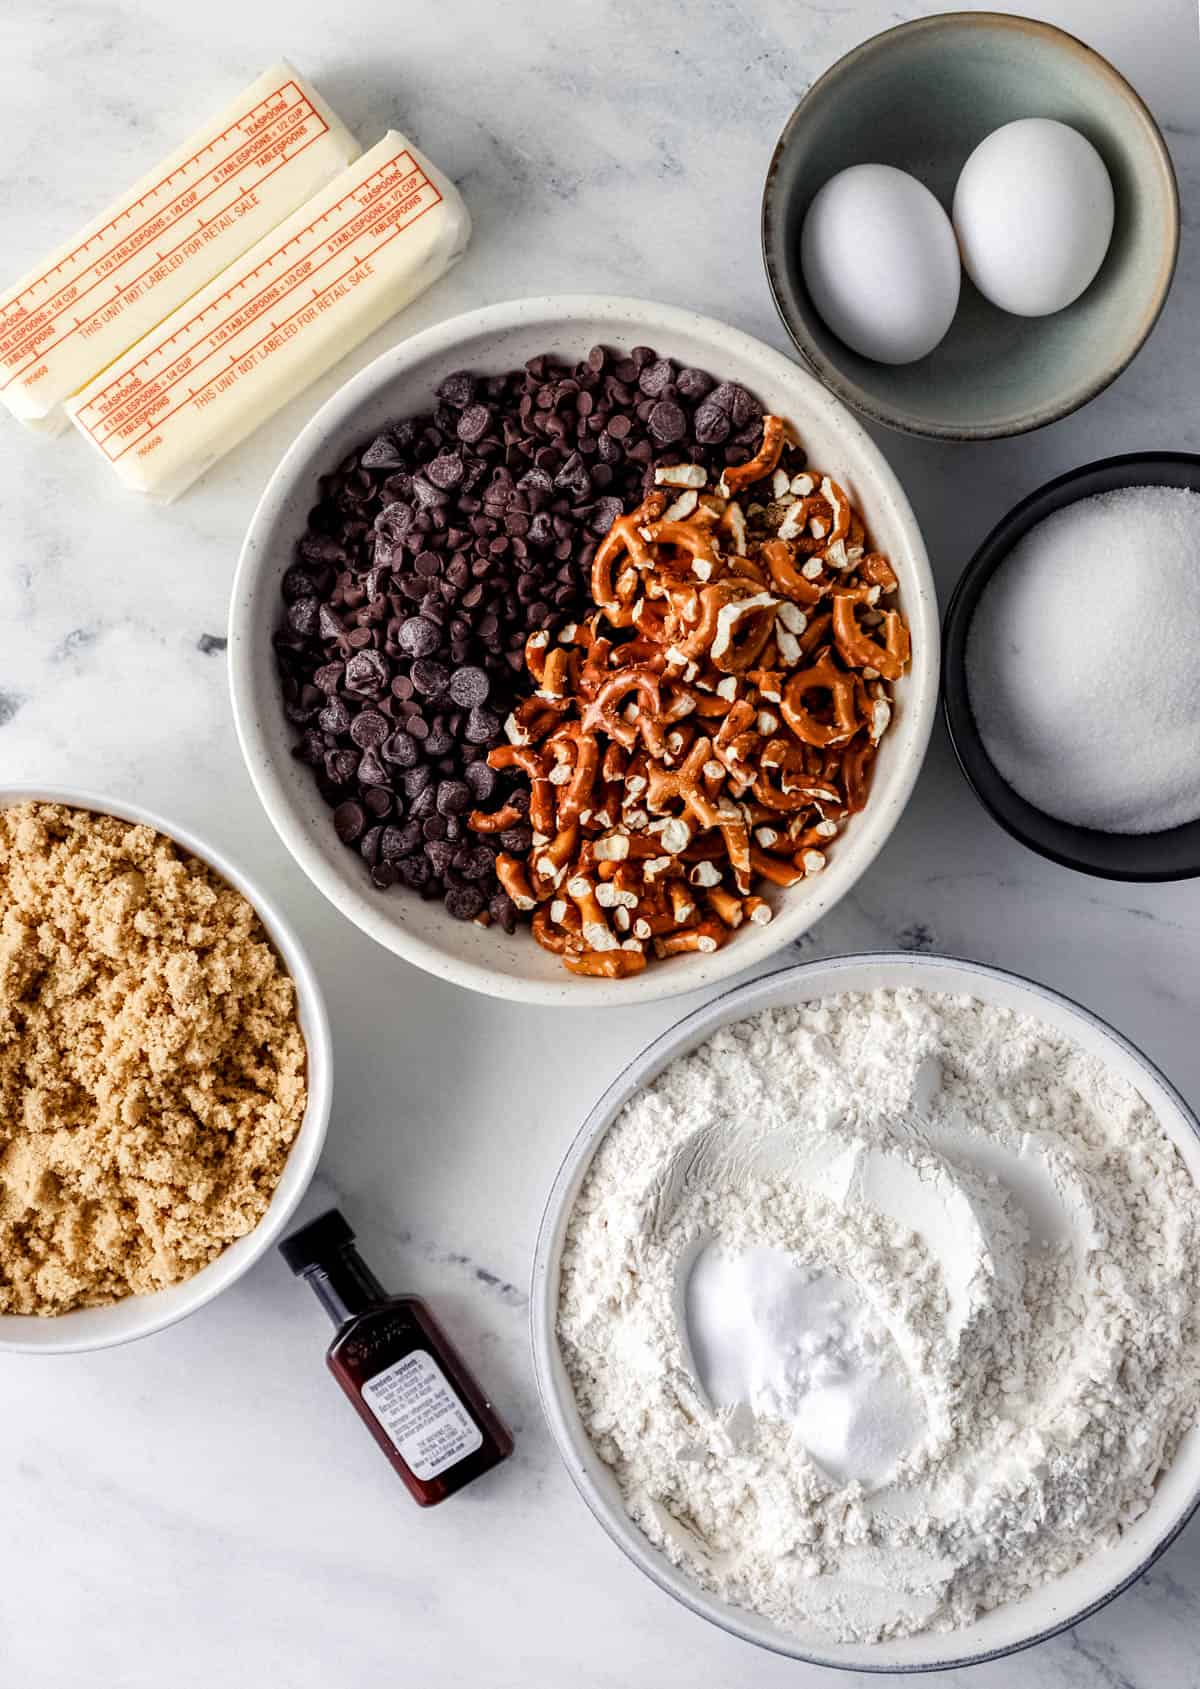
(313, 1244)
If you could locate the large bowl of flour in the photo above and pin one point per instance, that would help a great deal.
(866, 1313)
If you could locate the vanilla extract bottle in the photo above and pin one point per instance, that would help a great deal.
(406, 1381)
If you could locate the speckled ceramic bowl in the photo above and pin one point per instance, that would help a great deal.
(1050, 1607)
(921, 97)
(402, 382)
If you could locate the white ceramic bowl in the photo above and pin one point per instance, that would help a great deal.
(138, 1316)
(1045, 1611)
(403, 381)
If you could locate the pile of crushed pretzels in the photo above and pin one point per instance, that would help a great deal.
(713, 722)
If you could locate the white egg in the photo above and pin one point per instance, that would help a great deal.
(880, 262)
(1033, 211)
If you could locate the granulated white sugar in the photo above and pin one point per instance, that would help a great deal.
(1083, 662)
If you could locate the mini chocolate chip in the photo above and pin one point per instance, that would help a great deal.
(368, 845)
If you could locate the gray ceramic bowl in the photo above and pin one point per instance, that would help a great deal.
(921, 97)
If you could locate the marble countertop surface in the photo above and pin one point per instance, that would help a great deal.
(202, 1507)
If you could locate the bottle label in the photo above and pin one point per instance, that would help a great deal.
(417, 1407)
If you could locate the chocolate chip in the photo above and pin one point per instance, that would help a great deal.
(398, 842)
(668, 422)
(419, 637)
(464, 902)
(402, 749)
(694, 384)
(349, 819)
(477, 862)
(445, 471)
(383, 453)
(366, 673)
(369, 728)
(303, 616)
(518, 840)
(453, 797)
(473, 424)
(482, 725)
(371, 771)
(335, 717)
(605, 514)
(415, 871)
(655, 376)
(458, 389)
(469, 686)
(482, 781)
(711, 424)
(441, 853)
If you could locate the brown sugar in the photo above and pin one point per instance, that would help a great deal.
(152, 1069)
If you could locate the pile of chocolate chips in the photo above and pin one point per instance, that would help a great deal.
(433, 554)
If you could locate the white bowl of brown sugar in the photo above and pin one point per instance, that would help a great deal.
(165, 1072)
(453, 506)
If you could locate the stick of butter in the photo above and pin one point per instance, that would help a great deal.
(278, 318)
(177, 228)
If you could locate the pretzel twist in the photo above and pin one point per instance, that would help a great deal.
(707, 729)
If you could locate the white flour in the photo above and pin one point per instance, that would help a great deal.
(883, 1310)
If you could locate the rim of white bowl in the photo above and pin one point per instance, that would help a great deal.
(257, 571)
(306, 1149)
(801, 982)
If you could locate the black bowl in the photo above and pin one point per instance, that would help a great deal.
(1171, 855)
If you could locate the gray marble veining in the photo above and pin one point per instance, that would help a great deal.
(203, 1508)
